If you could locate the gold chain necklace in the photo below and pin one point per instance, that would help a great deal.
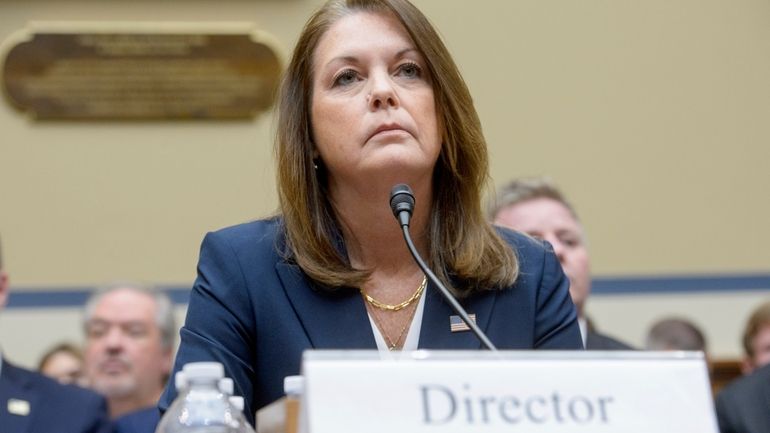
(394, 345)
(388, 307)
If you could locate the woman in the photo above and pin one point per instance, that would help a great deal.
(63, 362)
(370, 99)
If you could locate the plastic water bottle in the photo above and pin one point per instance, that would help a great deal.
(227, 387)
(200, 407)
(237, 402)
(294, 388)
(180, 382)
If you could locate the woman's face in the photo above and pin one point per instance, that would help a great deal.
(373, 113)
(64, 367)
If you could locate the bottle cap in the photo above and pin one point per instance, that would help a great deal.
(237, 402)
(293, 385)
(180, 381)
(203, 370)
(226, 386)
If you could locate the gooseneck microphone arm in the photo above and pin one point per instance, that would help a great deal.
(402, 204)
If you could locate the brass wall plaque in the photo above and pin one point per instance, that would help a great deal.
(166, 74)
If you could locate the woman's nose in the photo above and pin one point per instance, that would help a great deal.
(382, 92)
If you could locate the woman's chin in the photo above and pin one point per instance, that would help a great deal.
(401, 157)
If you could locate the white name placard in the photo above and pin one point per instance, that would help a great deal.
(618, 392)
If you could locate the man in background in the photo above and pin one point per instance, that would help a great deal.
(756, 339)
(743, 406)
(129, 351)
(536, 207)
(674, 333)
(31, 402)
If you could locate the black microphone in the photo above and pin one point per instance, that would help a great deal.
(402, 205)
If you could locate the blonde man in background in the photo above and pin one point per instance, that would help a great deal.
(742, 406)
(536, 207)
(756, 339)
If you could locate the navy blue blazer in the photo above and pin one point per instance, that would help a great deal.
(140, 421)
(256, 312)
(52, 407)
(743, 406)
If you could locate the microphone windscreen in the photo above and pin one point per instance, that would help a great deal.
(401, 199)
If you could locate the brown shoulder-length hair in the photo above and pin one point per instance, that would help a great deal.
(759, 318)
(465, 250)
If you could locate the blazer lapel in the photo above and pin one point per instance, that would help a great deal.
(330, 321)
(435, 332)
(15, 394)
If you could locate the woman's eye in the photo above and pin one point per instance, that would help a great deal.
(345, 77)
(410, 70)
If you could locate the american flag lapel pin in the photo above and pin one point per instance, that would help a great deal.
(18, 407)
(456, 324)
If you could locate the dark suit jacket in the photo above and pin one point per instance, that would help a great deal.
(744, 405)
(52, 407)
(256, 312)
(597, 341)
(140, 421)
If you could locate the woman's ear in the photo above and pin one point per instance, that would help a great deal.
(316, 158)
